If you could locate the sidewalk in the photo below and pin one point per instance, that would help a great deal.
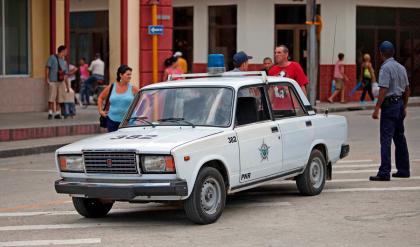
(33, 125)
(355, 106)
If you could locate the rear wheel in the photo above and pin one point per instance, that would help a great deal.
(91, 208)
(207, 200)
(312, 181)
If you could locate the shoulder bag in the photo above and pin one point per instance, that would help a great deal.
(102, 119)
(60, 72)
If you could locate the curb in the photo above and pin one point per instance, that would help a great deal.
(30, 150)
(353, 108)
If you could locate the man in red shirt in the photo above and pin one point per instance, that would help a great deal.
(287, 68)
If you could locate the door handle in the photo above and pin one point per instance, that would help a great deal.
(274, 129)
(308, 123)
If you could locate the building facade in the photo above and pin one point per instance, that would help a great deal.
(31, 30)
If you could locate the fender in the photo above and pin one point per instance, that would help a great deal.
(201, 163)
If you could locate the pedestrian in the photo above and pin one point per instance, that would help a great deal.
(340, 78)
(171, 68)
(267, 64)
(84, 75)
(120, 98)
(97, 69)
(55, 76)
(68, 107)
(286, 68)
(240, 62)
(392, 102)
(367, 77)
(181, 62)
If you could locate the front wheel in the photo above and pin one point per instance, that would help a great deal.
(91, 208)
(311, 182)
(207, 200)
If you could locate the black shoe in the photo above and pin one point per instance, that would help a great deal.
(400, 175)
(378, 178)
(49, 116)
(57, 116)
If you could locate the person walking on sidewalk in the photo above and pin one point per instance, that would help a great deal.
(55, 76)
(392, 101)
(121, 96)
(287, 68)
(97, 68)
(339, 78)
(367, 76)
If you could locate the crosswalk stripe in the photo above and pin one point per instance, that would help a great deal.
(355, 166)
(51, 242)
(358, 171)
(373, 189)
(353, 161)
(367, 179)
(58, 226)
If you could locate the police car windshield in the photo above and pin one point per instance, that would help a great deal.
(196, 106)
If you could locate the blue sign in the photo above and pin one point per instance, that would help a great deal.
(155, 30)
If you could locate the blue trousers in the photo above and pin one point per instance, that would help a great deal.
(392, 129)
(86, 89)
(112, 125)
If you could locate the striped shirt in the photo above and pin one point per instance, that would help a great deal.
(394, 77)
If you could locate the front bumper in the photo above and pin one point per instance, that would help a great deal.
(345, 150)
(119, 190)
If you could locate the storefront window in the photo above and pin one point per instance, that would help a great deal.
(398, 25)
(222, 31)
(183, 32)
(14, 37)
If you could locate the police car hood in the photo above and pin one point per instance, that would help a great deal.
(142, 139)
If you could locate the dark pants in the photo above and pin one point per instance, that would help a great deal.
(68, 109)
(392, 128)
(112, 125)
(87, 87)
(367, 87)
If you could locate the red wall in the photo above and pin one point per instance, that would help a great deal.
(164, 41)
(326, 72)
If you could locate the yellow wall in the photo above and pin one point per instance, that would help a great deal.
(40, 37)
(133, 39)
(60, 24)
(114, 39)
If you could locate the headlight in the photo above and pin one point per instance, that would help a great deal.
(71, 163)
(158, 164)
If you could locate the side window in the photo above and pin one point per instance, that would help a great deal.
(284, 101)
(252, 106)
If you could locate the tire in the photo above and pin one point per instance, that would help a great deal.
(208, 198)
(91, 208)
(312, 181)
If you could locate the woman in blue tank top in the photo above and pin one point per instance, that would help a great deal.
(121, 96)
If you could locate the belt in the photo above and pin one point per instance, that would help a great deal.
(392, 99)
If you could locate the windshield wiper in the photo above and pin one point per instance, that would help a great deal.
(177, 120)
(142, 119)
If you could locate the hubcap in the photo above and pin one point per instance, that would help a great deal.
(316, 173)
(210, 195)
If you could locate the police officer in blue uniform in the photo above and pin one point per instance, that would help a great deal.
(392, 101)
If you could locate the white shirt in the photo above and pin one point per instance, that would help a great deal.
(97, 67)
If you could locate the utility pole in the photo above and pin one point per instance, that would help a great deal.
(312, 60)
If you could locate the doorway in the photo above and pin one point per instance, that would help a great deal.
(294, 36)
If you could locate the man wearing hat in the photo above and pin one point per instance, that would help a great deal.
(392, 102)
(240, 61)
(181, 62)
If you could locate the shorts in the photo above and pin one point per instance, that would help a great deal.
(339, 83)
(56, 92)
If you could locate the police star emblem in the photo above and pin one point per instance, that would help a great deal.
(264, 151)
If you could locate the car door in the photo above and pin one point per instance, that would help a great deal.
(258, 136)
(295, 124)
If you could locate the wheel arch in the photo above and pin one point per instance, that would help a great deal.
(322, 147)
(219, 164)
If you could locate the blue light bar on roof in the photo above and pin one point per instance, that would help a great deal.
(216, 63)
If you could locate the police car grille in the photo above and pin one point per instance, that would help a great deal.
(110, 162)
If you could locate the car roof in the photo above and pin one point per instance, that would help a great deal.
(235, 82)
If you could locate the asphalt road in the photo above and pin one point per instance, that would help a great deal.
(351, 211)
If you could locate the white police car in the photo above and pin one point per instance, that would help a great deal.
(197, 140)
